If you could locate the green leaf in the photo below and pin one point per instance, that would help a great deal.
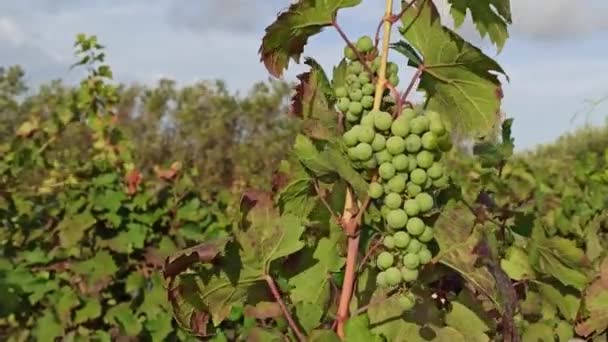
(159, 326)
(491, 17)
(90, 310)
(297, 197)
(356, 329)
(595, 304)
(122, 316)
(48, 327)
(537, 332)
(568, 302)
(323, 335)
(110, 200)
(286, 37)
(467, 322)
(517, 264)
(67, 300)
(311, 157)
(342, 165)
(72, 228)
(98, 268)
(309, 315)
(458, 79)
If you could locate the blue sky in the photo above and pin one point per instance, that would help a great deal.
(557, 56)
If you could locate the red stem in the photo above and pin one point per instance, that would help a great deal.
(334, 23)
(277, 297)
(348, 284)
(411, 85)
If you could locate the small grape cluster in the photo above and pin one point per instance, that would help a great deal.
(356, 97)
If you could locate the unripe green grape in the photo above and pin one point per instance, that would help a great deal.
(368, 120)
(343, 104)
(349, 53)
(409, 275)
(376, 64)
(382, 120)
(442, 183)
(435, 171)
(396, 219)
(432, 115)
(350, 137)
(415, 226)
(444, 143)
(427, 235)
(365, 44)
(394, 80)
(393, 200)
(350, 79)
(414, 246)
(364, 151)
(428, 184)
(352, 153)
(368, 89)
(397, 183)
(370, 164)
(354, 86)
(401, 162)
(424, 159)
(407, 301)
(367, 101)
(381, 279)
(419, 125)
(402, 239)
(413, 189)
(355, 108)
(355, 95)
(408, 114)
(437, 127)
(395, 145)
(385, 260)
(355, 68)
(411, 261)
(388, 242)
(418, 176)
(425, 201)
(393, 276)
(341, 92)
(375, 190)
(379, 142)
(383, 157)
(425, 256)
(413, 163)
(429, 141)
(392, 68)
(400, 127)
(413, 143)
(352, 118)
(411, 207)
(364, 78)
(384, 210)
(366, 134)
(386, 170)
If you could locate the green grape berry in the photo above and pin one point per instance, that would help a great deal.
(429, 141)
(393, 200)
(370, 164)
(387, 170)
(368, 89)
(364, 78)
(383, 157)
(413, 163)
(385, 260)
(408, 114)
(417, 176)
(442, 182)
(435, 171)
(381, 279)
(432, 115)
(413, 189)
(409, 275)
(364, 151)
(366, 134)
(382, 120)
(376, 63)
(352, 79)
(396, 219)
(411, 261)
(425, 201)
(413, 143)
(437, 127)
(424, 159)
(415, 226)
(392, 68)
(343, 104)
(425, 256)
(388, 242)
(400, 127)
(355, 108)
(414, 246)
(427, 235)
(394, 80)
(384, 210)
(368, 120)
(365, 44)
(352, 118)
(355, 95)
(407, 301)
(341, 92)
(355, 68)
(379, 142)
(367, 101)
(397, 183)
(401, 162)
(402, 239)
(444, 143)
(419, 125)
(375, 190)
(393, 276)
(350, 137)
(411, 207)
(352, 153)
(395, 145)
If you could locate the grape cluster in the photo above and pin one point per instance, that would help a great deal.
(356, 97)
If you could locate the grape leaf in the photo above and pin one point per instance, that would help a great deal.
(48, 327)
(285, 38)
(309, 315)
(311, 157)
(595, 304)
(458, 78)
(124, 317)
(567, 302)
(356, 329)
(491, 17)
(297, 197)
(72, 228)
(90, 310)
(324, 335)
(517, 264)
(539, 331)
(467, 322)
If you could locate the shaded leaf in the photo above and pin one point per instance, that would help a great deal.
(491, 17)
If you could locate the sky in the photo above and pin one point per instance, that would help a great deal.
(555, 57)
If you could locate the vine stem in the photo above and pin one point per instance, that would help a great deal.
(352, 224)
(277, 296)
(410, 86)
